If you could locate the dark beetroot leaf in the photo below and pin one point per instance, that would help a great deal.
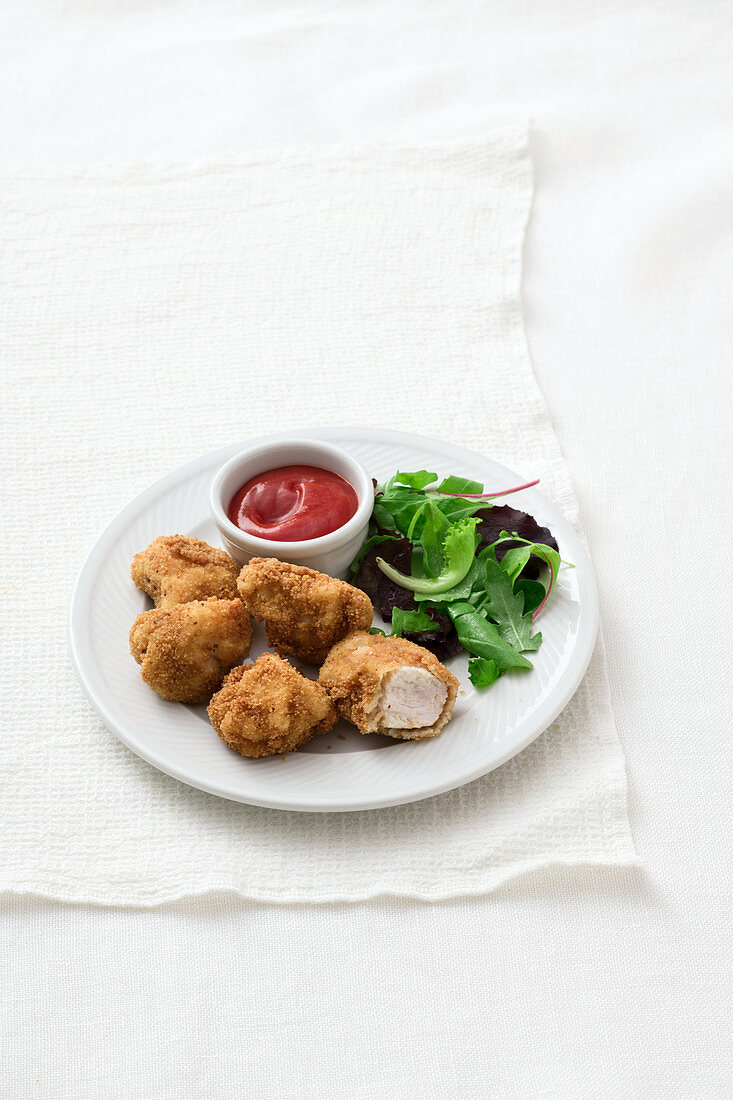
(389, 594)
(386, 595)
(443, 641)
(369, 575)
(495, 520)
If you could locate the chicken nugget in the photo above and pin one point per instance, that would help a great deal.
(390, 686)
(177, 569)
(186, 651)
(305, 612)
(269, 708)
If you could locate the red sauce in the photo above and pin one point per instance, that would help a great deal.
(293, 503)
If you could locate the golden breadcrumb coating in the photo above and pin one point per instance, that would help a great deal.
(177, 569)
(305, 612)
(269, 708)
(186, 651)
(355, 669)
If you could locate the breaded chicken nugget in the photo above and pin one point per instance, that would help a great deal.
(389, 685)
(269, 707)
(186, 651)
(177, 569)
(305, 612)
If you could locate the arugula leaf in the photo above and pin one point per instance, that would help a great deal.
(506, 607)
(482, 671)
(483, 639)
(515, 560)
(459, 547)
(455, 484)
(533, 592)
(419, 479)
(461, 607)
(411, 622)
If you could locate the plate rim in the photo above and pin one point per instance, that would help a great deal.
(86, 577)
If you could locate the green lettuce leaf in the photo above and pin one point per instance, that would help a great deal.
(433, 533)
(459, 547)
(461, 591)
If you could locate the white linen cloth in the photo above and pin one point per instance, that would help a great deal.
(612, 984)
(153, 313)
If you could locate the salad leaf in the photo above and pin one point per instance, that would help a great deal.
(453, 571)
(482, 638)
(411, 621)
(394, 511)
(515, 559)
(533, 592)
(370, 578)
(403, 510)
(417, 480)
(455, 508)
(501, 518)
(417, 515)
(441, 639)
(431, 539)
(366, 546)
(459, 546)
(455, 484)
(506, 607)
(482, 671)
(461, 591)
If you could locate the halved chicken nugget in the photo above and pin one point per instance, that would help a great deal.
(390, 686)
(186, 651)
(176, 569)
(305, 612)
(269, 707)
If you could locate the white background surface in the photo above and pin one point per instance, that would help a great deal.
(601, 984)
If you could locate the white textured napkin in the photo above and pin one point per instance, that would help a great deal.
(151, 314)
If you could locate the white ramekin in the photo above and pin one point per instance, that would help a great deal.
(331, 553)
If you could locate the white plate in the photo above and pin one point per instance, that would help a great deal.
(341, 770)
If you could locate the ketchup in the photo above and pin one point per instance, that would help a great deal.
(293, 503)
